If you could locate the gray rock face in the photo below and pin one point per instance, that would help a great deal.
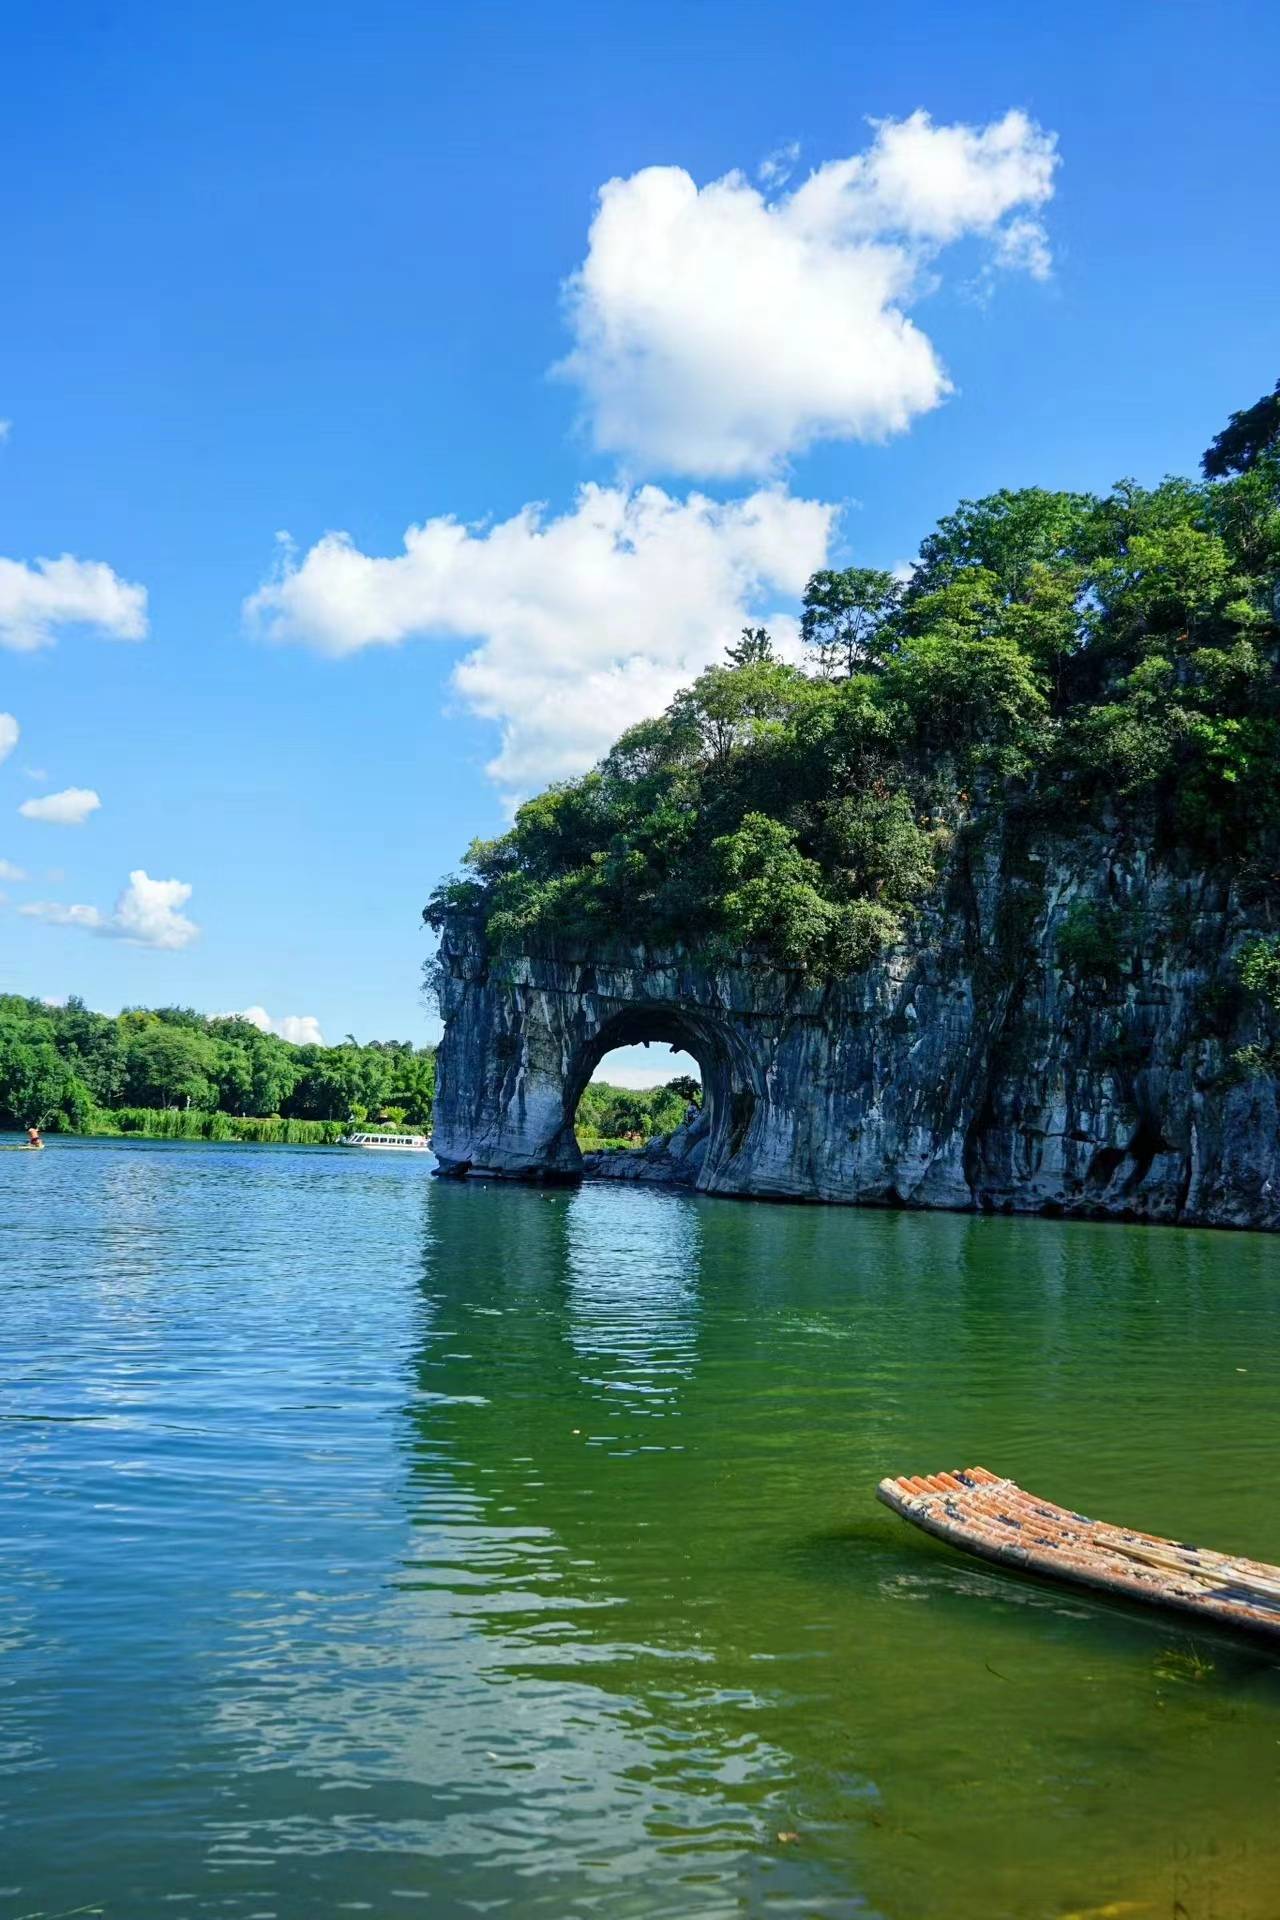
(673, 1162)
(981, 1063)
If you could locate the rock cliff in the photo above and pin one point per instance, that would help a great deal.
(1058, 1033)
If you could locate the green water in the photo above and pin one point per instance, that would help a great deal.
(370, 1545)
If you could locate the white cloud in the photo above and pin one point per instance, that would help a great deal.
(1023, 245)
(70, 808)
(717, 331)
(55, 914)
(35, 599)
(9, 872)
(586, 622)
(303, 1029)
(6, 428)
(145, 914)
(9, 735)
(777, 167)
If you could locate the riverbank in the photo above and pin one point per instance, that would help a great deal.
(177, 1123)
(158, 1123)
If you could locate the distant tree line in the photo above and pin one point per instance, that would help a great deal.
(629, 1116)
(70, 1069)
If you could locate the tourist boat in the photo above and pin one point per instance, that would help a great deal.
(998, 1520)
(390, 1142)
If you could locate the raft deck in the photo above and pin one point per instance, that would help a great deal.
(1000, 1521)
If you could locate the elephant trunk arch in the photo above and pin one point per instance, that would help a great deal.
(729, 1101)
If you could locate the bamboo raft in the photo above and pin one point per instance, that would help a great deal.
(999, 1521)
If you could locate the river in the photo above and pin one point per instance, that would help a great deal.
(376, 1545)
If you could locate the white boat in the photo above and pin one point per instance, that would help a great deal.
(390, 1142)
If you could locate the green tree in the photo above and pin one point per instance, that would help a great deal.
(1009, 534)
(169, 1066)
(844, 614)
(94, 1047)
(413, 1085)
(633, 1114)
(772, 896)
(37, 1087)
(273, 1073)
(728, 707)
(755, 646)
(1248, 437)
(873, 846)
(976, 697)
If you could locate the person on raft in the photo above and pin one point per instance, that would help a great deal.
(33, 1137)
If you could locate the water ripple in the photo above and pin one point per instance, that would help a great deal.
(366, 1541)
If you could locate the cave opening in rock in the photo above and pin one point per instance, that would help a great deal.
(663, 1063)
(636, 1094)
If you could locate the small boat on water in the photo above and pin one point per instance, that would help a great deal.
(389, 1142)
(1000, 1521)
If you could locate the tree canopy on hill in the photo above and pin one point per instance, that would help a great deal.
(1051, 651)
(1246, 439)
(60, 1065)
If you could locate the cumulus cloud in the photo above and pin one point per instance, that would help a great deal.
(9, 872)
(70, 808)
(10, 732)
(37, 598)
(146, 914)
(586, 621)
(717, 331)
(302, 1029)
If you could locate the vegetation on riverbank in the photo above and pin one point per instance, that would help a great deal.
(172, 1073)
(188, 1123)
(610, 1116)
(1063, 654)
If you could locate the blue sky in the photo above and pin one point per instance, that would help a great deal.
(301, 270)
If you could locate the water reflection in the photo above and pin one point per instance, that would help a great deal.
(793, 1659)
(494, 1549)
(632, 1261)
(615, 1719)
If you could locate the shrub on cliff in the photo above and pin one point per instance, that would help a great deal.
(1064, 652)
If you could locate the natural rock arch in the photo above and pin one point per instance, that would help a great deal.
(524, 1037)
(728, 1098)
(966, 1067)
